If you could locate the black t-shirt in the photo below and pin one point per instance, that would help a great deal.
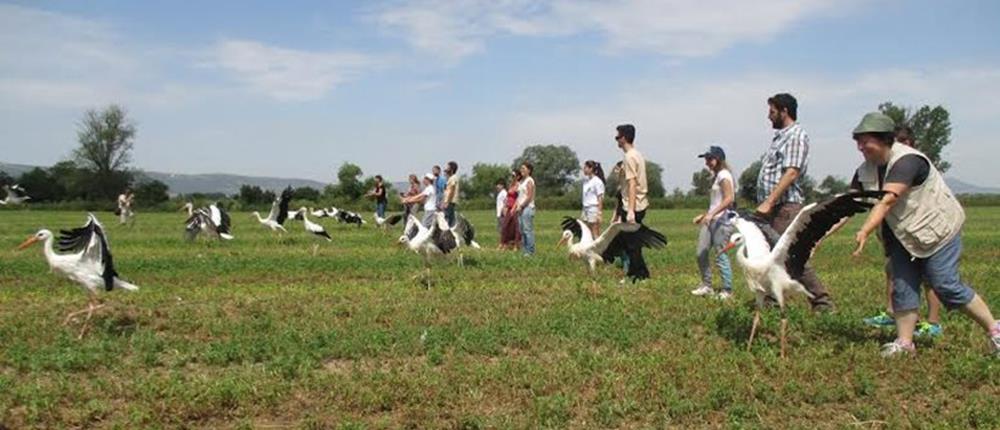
(380, 194)
(911, 170)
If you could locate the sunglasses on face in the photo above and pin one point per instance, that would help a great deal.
(618, 138)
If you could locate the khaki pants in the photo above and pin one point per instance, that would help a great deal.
(781, 217)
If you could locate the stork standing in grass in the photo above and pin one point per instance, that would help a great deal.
(84, 256)
(312, 228)
(610, 244)
(773, 271)
(279, 212)
(348, 217)
(15, 195)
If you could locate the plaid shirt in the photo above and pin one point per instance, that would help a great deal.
(789, 148)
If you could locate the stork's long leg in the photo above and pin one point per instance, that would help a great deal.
(753, 328)
(315, 249)
(784, 342)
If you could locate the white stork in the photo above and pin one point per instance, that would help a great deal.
(213, 220)
(86, 259)
(312, 228)
(385, 223)
(348, 217)
(438, 240)
(613, 242)
(15, 195)
(279, 212)
(773, 271)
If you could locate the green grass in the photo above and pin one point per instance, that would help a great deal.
(256, 333)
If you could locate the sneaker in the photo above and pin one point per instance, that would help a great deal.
(703, 290)
(995, 337)
(881, 320)
(926, 329)
(895, 348)
(724, 295)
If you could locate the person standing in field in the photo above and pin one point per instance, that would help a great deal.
(379, 195)
(510, 232)
(450, 202)
(526, 208)
(593, 196)
(921, 224)
(427, 198)
(501, 200)
(779, 189)
(932, 326)
(125, 200)
(440, 182)
(410, 208)
(634, 197)
(716, 226)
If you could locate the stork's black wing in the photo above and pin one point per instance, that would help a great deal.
(443, 239)
(395, 219)
(464, 229)
(644, 237)
(814, 223)
(412, 227)
(571, 224)
(224, 223)
(91, 240)
(286, 196)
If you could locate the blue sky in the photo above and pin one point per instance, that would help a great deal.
(295, 89)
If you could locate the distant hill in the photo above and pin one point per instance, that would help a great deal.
(201, 183)
(960, 187)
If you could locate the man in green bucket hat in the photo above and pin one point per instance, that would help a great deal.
(921, 224)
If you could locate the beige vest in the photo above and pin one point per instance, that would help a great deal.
(928, 216)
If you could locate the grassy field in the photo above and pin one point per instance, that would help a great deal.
(257, 333)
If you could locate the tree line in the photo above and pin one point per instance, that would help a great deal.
(99, 169)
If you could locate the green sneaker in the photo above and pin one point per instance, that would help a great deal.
(881, 320)
(926, 329)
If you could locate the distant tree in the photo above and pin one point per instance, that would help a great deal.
(5, 179)
(306, 193)
(484, 178)
(808, 185)
(678, 193)
(151, 192)
(41, 186)
(931, 129)
(251, 195)
(71, 178)
(106, 140)
(748, 182)
(831, 186)
(702, 182)
(555, 167)
(349, 182)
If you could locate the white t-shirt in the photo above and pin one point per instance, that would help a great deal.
(715, 197)
(522, 193)
(501, 202)
(593, 189)
(430, 203)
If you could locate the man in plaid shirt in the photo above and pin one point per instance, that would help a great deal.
(779, 194)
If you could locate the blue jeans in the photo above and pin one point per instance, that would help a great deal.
(940, 270)
(527, 223)
(711, 239)
(380, 209)
(449, 214)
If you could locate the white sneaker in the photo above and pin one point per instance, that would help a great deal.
(724, 295)
(703, 290)
(996, 345)
(895, 348)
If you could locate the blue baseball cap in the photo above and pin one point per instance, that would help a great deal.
(714, 152)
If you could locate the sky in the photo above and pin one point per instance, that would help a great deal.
(296, 88)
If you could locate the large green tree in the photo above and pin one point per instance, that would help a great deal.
(555, 167)
(484, 178)
(106, 139)
(701, 181)
(654, 181)
(42, 186)
(831, 186)
(349, 183)
(931, 128)
(151, 192)
(748, 182)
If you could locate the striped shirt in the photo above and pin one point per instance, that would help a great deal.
(789, 148)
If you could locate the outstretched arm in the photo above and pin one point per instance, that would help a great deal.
(893, 191)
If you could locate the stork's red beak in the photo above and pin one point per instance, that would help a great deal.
(31, 240)
(728, 246)
(562, 240)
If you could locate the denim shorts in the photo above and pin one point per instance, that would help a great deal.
(939, 270)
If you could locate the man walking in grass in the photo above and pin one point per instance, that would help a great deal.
(779, 190)
(633, 196)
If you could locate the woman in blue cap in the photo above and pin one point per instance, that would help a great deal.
(715, 225)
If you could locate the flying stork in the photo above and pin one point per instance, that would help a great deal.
(279, 212)
(84, 256)
(609, 244)
(385, 223)
(15, 195)
(213, 220)
(773, 271)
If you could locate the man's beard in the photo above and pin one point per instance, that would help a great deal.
(777, 124)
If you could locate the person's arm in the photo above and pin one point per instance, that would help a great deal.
(893, 191)
(727, 200)
(633, 187)
(787, 179)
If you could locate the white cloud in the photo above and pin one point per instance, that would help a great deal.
(678, 119)
(288, 74)
(453, 29)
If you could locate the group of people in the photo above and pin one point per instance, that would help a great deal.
(515, 210)
(437, 192)
(919, 221)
